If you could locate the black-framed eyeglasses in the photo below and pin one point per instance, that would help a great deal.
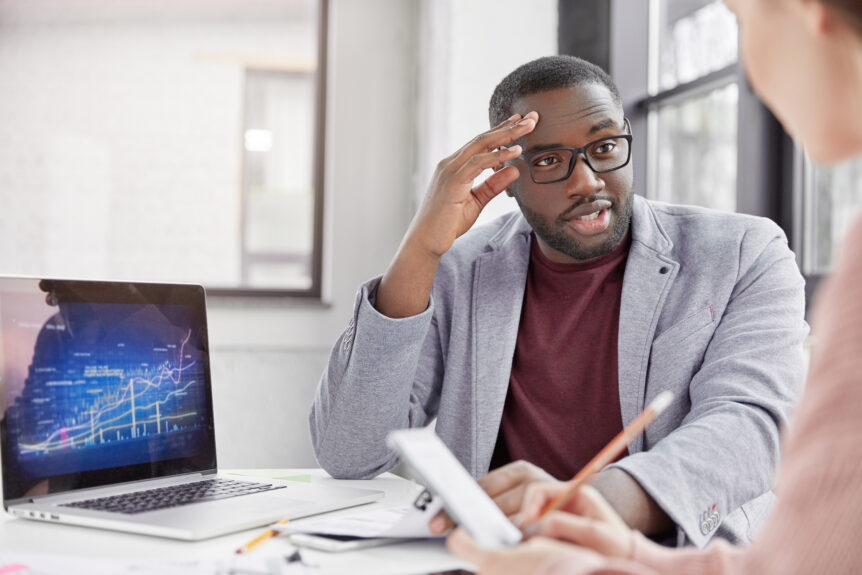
(603, 155)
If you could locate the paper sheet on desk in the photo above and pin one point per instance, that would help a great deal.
(397, 522)
(33, 564)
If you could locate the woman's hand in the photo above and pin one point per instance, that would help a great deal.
(586, 520)
(529, 557)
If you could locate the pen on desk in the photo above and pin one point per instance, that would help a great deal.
(260, 538)
(609, 452)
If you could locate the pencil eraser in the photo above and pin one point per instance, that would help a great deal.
(661, 401)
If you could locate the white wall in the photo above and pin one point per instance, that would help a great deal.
(470, 45)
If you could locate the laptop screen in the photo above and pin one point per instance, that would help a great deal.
(102, 383)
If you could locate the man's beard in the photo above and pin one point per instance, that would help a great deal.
(553, 234)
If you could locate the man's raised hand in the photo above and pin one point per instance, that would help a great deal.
(449, 209)
(452, 205)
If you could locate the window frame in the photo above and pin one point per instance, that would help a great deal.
(759, 135)
(769, 163)
(315, 291)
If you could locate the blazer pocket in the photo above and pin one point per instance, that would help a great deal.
(684, 328)
(677, 353)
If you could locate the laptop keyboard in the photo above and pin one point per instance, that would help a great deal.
(173, 496)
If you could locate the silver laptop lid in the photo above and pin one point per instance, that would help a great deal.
(101, 383)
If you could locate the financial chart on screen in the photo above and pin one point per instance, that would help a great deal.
(109, 385)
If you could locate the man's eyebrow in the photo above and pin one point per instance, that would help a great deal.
(542, 147)
(597, 127)
(608, 123)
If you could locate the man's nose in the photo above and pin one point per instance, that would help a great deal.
(583, 181)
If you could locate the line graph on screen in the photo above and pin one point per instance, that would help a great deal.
(113, 395)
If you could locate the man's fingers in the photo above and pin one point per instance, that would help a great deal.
(440, 523)
(508, 121)
(505, 477)
(510, 501)
(473, 167)
(497, 137)
(536, 497)
(512, 474)
(496, 183)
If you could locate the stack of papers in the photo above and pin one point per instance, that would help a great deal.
(398, 522)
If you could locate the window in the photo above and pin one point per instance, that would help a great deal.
(695, 160)
(695, 38)
(693, 102)
(278, 195)
(832, 200)
(165, 141)
(707, 139)
(702, 135)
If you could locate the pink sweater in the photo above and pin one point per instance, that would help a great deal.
(816, 526)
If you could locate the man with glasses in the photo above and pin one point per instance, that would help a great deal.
(535, 338)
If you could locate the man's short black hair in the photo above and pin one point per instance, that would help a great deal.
(541, 75)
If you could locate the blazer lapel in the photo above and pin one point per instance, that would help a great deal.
(498, 294)
(649, 274)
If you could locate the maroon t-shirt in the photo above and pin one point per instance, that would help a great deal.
(563, 403)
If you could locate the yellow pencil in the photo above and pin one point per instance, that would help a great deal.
(260, 538)
(610, 451)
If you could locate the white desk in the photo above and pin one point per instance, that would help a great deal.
(19, 535)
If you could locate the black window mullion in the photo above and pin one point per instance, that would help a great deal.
(759, 158)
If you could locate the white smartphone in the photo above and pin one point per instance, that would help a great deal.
(338, 543)
(446, 478)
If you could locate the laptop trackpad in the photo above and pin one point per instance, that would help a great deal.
(240, 511)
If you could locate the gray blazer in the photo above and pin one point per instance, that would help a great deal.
(712, 309)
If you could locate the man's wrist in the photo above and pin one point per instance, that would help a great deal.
(636, 507)
(418, 250)
(405, 288)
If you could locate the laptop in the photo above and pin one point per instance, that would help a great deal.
(107, 419)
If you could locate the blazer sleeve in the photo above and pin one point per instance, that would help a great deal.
(358, 402)
(726, 450)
